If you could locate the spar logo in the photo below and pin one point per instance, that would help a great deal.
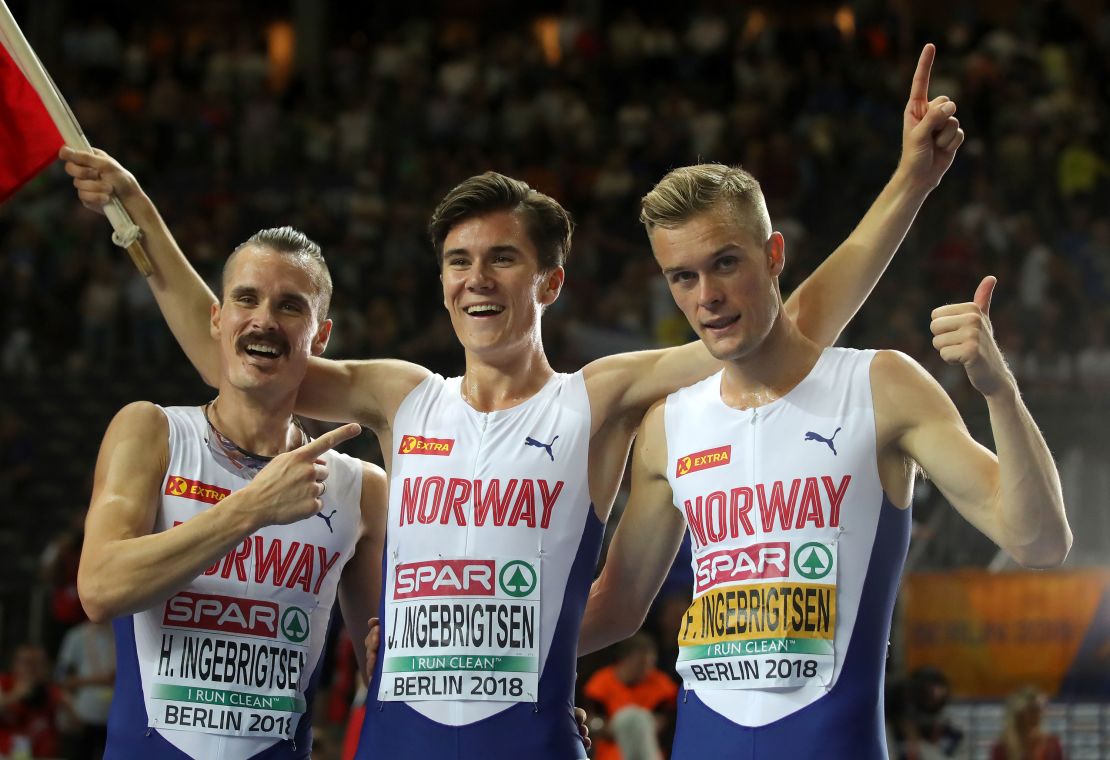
(227, 614)
(517, 578)
(813, 560)
(194, 489)
(743, 563)
(444, 577)
(703, 460)
(418, 444)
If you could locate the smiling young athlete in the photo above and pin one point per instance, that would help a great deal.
(202, 538)
(798, 542)
(492, 540)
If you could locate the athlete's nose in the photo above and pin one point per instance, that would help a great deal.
(709, 292)
(478, 278)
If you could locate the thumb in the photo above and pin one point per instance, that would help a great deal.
(984, 292)
(330, 440)
(935, 117)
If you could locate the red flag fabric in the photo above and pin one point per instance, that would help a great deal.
(28, 138)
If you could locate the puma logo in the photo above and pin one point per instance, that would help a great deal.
(327, 518)
(530, 441)
(811, 436)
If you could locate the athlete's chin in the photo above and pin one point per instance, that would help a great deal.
(726, 349)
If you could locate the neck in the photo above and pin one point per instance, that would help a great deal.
(771, 370)
(262, 426)
(503, 381)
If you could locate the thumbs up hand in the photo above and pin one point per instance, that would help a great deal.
(290, 487)
(962, 334)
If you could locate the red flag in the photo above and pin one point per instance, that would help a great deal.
(28, 138)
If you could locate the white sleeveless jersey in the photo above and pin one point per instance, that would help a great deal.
(227, 666)
(783, 504)
(490, 525)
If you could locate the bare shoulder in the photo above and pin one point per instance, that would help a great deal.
(139, 420)
(905, 394)
(365, 391)
(374, 483)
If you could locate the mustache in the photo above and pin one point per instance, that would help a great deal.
(269, 337)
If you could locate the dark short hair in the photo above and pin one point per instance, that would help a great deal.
(292, 242)
(549, 225)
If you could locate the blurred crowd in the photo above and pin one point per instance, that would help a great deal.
(355, 144)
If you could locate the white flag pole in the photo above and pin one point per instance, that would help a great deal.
(126, 233)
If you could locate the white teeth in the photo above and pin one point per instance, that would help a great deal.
(485, 308)
(262, 349)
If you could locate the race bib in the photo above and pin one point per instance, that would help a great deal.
(229, 666)
(772, 629)
(464, 629)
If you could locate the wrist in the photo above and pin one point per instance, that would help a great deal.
(239, 512)
(906, 184)
(1004, 394)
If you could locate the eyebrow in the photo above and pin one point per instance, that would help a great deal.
(247, 290)
(731, 247)
(492, 249)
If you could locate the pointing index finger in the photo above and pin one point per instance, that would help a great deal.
(330, 440)
(919, 90)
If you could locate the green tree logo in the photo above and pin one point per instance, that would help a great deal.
(813, 560)
(294, 625)
(517, 578)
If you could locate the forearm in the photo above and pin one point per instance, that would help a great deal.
(1029, 502)
(828, 299)
(609, 618)
(132, 574)
(183, 297)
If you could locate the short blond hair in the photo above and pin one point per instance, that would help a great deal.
(691, 190)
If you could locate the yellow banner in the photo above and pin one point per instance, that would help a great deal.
(760, 611)
(993, 633)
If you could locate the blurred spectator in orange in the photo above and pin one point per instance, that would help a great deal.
(634, 703)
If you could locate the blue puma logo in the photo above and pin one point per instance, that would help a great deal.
(327, 518)
(530, 441)
(811, 436)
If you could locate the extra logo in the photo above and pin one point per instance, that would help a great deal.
(194, 489)
(813, 560)
(418, 444)
(445, 577)
(517, 578)
(703, 460)
(227, 614)
(294, 624)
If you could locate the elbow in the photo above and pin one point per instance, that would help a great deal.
(1047, 553)
(95, 600)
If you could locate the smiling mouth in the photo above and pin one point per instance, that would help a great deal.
(260, 348)
(484, 310)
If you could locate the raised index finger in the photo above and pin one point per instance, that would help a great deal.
(330, 440)
(919, 90)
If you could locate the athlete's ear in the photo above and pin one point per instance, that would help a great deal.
(775, 249)
(320, 341)
(552, 285)
(214, 322)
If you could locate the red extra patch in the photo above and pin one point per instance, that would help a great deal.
(418, 444)
(703, 460)
(194, 489)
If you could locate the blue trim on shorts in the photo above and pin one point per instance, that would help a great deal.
(545, 730)
(848, 722)
(129, 736)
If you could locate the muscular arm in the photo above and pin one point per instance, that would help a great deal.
(1013, 497)
(642, 550)
(360, 584)
(124, 568)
